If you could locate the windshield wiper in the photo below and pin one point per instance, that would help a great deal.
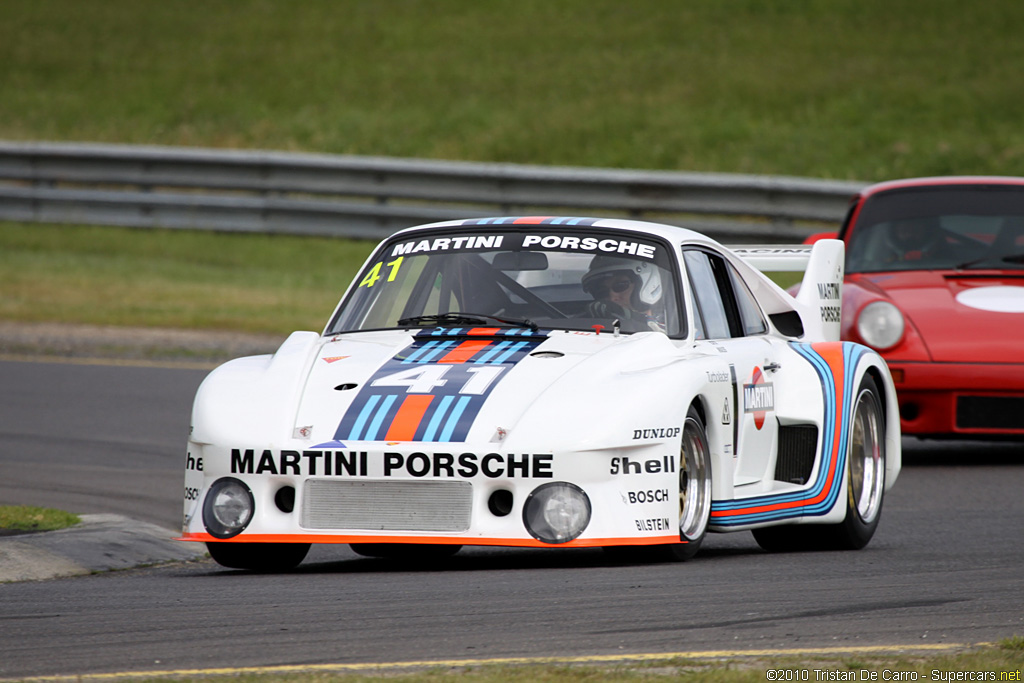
(1012, 258)
(461, 318)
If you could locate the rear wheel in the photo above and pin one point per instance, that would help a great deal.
(864, 491)
(866, 469)
(264, 557)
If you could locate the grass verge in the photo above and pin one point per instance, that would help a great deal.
(29, 518)
(997, 662)
(172, 279)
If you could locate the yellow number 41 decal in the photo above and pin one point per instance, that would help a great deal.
(371, 278)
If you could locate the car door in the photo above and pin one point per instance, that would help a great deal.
(729, 324)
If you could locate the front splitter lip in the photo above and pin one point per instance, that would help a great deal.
(428, 540)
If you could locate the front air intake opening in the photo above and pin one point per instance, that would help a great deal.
(284, 499)
(500, 503)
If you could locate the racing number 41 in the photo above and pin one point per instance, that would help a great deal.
(423, 380)
(371, 278)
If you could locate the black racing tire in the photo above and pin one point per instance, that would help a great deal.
(405, 551)
(864, 492)
(261, 557)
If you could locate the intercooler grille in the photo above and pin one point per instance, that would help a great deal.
(387, 505)
(990, 412)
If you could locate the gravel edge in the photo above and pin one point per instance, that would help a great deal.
(57, 341)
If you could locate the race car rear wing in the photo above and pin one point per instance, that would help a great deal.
(772, 258)
(820, 294)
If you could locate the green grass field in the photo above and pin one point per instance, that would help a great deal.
(848, 89)
(175, 279)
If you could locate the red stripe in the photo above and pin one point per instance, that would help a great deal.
(531, 220)
(464, 351)
(408, 418)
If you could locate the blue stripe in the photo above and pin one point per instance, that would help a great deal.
(435, 420)
(419, 351)
(364, 415)
(493, 351)
(371, 433)
(453, 419)
(515, 347)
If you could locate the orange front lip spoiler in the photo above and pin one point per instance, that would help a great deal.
(431, 540)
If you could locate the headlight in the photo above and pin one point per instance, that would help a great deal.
(556, 512)
(880, 325)
(228, 508)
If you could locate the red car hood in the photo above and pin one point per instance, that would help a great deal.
(962, 317)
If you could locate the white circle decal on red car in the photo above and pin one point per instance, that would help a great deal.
(996, 299)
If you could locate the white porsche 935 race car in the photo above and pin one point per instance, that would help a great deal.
(549, 382)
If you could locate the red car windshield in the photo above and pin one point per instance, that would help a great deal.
(938, 228)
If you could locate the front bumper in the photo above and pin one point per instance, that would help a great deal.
(411, 496)
(960, 400)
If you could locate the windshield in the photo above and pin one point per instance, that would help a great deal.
(946, 227)
(503, 277)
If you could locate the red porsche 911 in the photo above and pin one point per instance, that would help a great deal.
(935, 283)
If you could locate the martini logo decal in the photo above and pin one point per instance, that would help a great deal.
(758, 397)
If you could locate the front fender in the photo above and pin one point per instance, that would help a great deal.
(628, 396)
(253, 399)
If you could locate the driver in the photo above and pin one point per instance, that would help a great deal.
(626, 289)
(918, 239)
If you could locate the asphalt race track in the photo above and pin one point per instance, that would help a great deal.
(944, 568)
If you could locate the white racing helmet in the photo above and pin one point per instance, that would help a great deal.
(645, 275)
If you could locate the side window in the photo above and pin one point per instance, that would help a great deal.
(707, 295)
(750, 313)
(724, 302)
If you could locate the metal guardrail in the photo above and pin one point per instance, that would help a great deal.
(371, 197)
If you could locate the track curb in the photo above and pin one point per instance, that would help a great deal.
(101, 542)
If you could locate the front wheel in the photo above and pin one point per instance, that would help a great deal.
(694, 490)
(263, 557)
(864, 490)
